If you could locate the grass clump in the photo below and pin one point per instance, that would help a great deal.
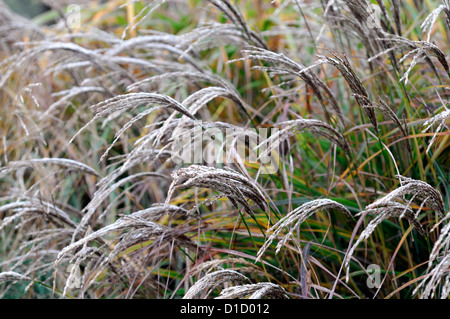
(348, 100)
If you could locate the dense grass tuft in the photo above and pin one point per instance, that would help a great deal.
(116, 179)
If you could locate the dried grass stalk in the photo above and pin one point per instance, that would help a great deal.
(216, 264)
(140, 221)
(283, 65)
(364, 20)
(254, 291)
(131, 101)
(200, 98)
(382, 212)
(103, 193)
(419, 50)
(211, 281)
(295, 218)
(230, 183)
(439, 119)
(387, 207)
(36, 162)
(430, 20)
(442, 244)
(291, 128)
(388, 112)
(232, 13)
(419, 190)
(12, 276)
(39, 208)
(357, 87)
(439, 275)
